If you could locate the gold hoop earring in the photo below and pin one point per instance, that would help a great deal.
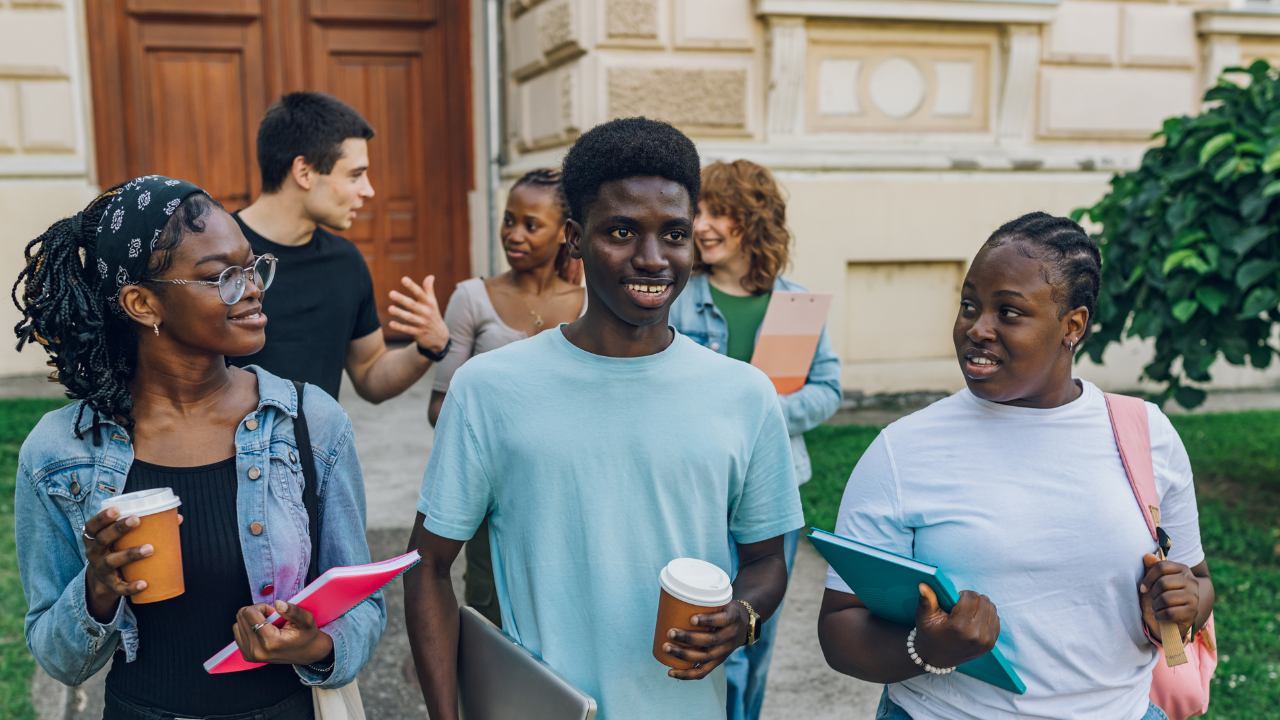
(156, 327)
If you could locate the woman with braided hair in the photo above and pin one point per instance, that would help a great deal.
(139, 299)
(540, 291)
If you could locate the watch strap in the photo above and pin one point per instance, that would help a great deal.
(753, 633)
(433, 357)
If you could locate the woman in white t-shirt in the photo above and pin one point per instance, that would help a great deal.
(1014, 486)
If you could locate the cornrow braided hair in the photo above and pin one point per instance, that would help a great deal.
(93, 349)
(550, 178)
(1072, 263)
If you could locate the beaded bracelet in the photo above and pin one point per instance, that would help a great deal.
(915, 658)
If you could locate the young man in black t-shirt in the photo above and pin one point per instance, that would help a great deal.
(321, 312)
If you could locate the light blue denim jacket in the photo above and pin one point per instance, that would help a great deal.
(695, 315)
(62, 481)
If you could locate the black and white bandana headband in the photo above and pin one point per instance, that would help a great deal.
(130, 227)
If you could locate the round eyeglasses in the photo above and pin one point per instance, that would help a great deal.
(234, 280)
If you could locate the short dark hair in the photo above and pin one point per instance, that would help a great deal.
(309, 124)
(1073, 265)
(628, 147)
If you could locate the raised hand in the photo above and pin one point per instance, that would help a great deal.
(727, 631)
(947, 639)
(417, 314)
(297, 642)
(1169, 592)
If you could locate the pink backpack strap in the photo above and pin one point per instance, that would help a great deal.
(1133, 437)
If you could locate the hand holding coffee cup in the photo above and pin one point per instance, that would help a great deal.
(698, 624)
(133, 550)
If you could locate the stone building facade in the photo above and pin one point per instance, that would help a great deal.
(904, 131)
(46, 153)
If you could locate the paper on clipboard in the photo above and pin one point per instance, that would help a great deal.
(789, 336)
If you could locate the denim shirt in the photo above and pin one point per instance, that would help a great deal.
(62, 481)
(695, 314)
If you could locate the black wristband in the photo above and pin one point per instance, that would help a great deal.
(432, 356)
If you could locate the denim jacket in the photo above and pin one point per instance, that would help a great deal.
(62, 481)
(695, 315)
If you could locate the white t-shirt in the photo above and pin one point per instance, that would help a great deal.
(1033, 509)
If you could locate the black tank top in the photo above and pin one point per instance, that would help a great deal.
(176, 636)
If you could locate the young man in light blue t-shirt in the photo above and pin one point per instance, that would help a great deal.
(602, 450)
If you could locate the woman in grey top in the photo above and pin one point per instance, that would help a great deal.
(538, 292)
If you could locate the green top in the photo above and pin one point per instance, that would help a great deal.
(743, 315)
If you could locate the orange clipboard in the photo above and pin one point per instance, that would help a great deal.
(789, 336)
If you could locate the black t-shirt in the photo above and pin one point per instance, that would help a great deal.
(321, 300)
(177, 635)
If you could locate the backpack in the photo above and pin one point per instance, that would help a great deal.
(1180, 684)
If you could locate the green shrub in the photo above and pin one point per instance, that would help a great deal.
(1190, 243)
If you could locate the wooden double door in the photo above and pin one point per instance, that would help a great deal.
(179, 87)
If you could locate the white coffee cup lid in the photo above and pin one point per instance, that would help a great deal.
(143, 502)
(696, 582)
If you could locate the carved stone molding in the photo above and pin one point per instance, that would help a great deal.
(633, 19)
(694, 98)
(1021, 47)
(543, 37)
(788, 48)
(982, 11)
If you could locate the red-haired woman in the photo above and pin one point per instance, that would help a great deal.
(743, 244)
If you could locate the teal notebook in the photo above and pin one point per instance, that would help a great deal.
(888, 585)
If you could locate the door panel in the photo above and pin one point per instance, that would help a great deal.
(197, 93)
(179, 88)
(384, 73)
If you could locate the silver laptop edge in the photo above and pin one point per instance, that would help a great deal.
(500, 680)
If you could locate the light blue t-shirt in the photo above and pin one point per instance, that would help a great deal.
(596, 472)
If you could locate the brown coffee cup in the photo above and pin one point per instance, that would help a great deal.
(157, 513)
(688, 587)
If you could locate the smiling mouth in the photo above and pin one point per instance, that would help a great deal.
(710, 243)
(647, 295)
(980, 367)
(252, 320)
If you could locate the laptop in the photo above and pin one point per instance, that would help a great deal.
(500, 680)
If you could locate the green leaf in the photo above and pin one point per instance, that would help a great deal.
(1190, 236)
(1249, 147)
(1215, 145)
(1137, 273)
(1189, 397)
(1251, 272)
(1227, 169)
(1245, 241)
(1176, 259)
(1185, 309)
(1259, 301)
(1272, 162)
(1272, 188)
(1211, 298)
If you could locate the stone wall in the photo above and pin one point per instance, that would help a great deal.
(905, 131)
(45, 139)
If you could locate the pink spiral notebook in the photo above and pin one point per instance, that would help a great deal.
(328, 598)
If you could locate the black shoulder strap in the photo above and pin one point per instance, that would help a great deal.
(310, 490)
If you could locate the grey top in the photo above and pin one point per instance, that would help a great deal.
(474, 328)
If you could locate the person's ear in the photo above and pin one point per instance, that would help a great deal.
(302, 172)
(141, 304)
(573, 236)
(1077, 322)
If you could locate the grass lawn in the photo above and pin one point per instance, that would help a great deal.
(17, 417)
(1236, 457)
